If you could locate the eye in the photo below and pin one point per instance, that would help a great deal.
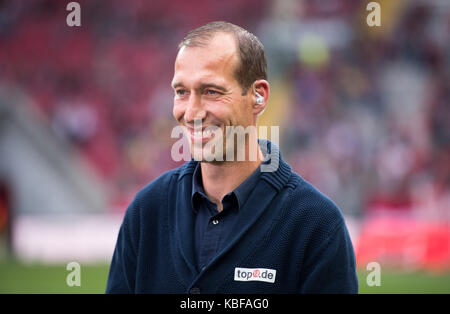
(180, 92)
(211, 92)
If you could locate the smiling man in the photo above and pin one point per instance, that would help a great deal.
(220, 224)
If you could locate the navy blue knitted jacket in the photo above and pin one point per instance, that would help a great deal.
(288, 238)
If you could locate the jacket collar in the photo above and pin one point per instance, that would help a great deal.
(239, 194)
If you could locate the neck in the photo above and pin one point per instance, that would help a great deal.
(220, 178)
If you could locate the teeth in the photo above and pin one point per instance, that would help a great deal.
(206, 133)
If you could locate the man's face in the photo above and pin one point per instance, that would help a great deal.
(207, 91)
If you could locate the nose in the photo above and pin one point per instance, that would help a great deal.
(194, 109)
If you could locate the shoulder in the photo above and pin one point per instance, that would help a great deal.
(155, 193)
(311, 207)
(160, 186)
(157, 187)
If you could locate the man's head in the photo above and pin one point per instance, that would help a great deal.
(219, 71)
(252, 64)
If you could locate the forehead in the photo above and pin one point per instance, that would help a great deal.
(216, 60)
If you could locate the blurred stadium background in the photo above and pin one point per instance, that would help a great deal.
(85, 121)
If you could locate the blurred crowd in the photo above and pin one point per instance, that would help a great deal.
(367, 119)
(370, 121)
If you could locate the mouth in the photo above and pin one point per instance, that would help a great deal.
(200, 136)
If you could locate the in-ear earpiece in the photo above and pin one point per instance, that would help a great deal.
(259, 99)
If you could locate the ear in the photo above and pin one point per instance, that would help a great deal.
(261, 89)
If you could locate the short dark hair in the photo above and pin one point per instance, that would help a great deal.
(253, 63)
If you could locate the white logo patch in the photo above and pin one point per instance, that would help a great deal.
(254, 274)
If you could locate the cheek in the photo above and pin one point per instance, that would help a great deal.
(233, 108)
(221, 113)
(241, 111)
(177, 111)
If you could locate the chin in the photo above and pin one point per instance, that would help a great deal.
(206, 155)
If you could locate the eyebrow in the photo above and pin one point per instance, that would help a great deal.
(202, 86)
(175, 85)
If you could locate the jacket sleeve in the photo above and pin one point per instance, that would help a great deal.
(330, 268)
(122, 272)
